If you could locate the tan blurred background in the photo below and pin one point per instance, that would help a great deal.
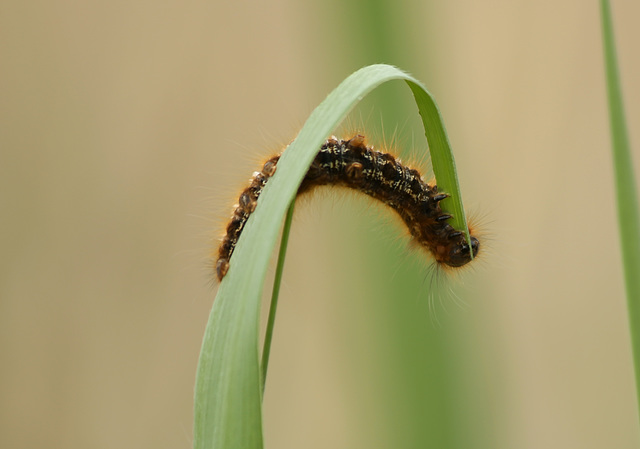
(126, 129)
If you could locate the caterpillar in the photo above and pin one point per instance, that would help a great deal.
(351, 163)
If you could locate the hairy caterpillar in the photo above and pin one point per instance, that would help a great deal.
(351, 163)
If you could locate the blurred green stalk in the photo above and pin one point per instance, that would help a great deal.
(625, 189)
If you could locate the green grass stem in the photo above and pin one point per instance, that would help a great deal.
(625, 189)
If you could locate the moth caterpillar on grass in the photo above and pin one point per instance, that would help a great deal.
(351, 163)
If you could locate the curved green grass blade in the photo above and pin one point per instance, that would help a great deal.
(627, 200)
(228, 393)
(444, 166)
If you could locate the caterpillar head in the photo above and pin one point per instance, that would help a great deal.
(456, 252)
(460, 252)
